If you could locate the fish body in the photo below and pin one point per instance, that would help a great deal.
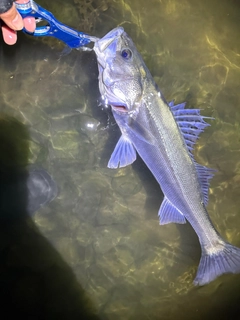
(163, 135)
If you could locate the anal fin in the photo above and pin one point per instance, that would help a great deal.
(168, 213)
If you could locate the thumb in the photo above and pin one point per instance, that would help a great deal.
(12, 18)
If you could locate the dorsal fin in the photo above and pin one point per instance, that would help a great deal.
(191, 124)
(205, 175)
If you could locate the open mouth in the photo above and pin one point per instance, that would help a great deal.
(120, 108)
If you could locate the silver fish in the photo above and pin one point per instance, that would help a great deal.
(163, 135)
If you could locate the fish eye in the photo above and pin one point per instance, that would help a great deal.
(126, 54)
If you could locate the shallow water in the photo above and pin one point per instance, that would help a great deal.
(98, 247)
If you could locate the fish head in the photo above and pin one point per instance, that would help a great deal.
(121, 71)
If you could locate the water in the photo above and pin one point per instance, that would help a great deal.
(97, 251)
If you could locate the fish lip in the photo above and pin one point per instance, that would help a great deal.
(103, 43)
(120, 107)
(101, 62)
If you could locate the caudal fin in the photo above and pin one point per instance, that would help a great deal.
(225, 259)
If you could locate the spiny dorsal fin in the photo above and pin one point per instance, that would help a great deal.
(191, 124)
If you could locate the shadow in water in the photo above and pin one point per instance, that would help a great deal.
(35, 282)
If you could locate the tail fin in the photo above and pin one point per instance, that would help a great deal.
(226, 259)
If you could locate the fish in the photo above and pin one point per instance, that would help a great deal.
(163, 134)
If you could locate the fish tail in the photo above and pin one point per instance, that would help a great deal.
(225, 258)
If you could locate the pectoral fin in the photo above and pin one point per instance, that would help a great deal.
(168, 213)
(123, 154)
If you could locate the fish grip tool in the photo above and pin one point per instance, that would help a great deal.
(53, 28)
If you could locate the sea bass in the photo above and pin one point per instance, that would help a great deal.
(164, 136)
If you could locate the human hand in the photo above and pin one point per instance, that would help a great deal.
(13, 21)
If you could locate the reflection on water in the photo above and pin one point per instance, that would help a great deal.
(104, 222)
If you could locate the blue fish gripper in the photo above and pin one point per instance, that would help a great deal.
(53, 28)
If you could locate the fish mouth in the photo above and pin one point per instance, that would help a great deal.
(103, 43)
(109, 42)
(122, 108)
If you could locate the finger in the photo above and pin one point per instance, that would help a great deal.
(9, 35)
(22, 1)
(29, 24)
(12, 18)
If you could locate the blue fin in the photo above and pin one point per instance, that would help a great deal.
(177, 106)
(168, 213)
(191, 124)
(225, 258)
(123, 154)
(204, 175)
